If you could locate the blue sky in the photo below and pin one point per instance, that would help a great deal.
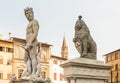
(57, 18)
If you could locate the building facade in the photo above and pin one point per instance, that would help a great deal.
(18, 63)
(11, 60)
(57, 73)
(18, 54)
(45, 59)
(113, 59)
(6, 54)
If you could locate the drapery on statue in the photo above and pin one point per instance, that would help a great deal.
(83, 41)
(32, 52)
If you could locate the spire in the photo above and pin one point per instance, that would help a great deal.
(64, 42)
(64, 49)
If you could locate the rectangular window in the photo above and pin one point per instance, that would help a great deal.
(1, 75)
(61, 76)
(8, 62)
(10, 50)
(1, 61)
(106, 59)
(8, 76)
(109, 58)
(55, 76)
(116, 56)
(2, 49)
(116, 67)
(116, 78)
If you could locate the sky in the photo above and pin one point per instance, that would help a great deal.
(57, 19)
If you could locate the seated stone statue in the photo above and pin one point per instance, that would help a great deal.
(83, 41)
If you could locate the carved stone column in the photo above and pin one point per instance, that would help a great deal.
(72, 80)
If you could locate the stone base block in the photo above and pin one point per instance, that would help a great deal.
(26, 81)
(81, 70)
(40, 80)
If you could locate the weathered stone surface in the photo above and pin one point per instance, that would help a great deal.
(83, 41)
(26, 81)
(84, 70)
(32, 51)
(31, 73)
(38, 80)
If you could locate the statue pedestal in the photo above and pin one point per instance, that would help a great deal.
(32, 81)
(81, 70)
(27, 81)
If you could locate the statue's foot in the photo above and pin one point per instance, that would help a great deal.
(40, 79)
(23, 77)
(83, 55)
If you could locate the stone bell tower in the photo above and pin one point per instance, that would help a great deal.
(64, 49)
